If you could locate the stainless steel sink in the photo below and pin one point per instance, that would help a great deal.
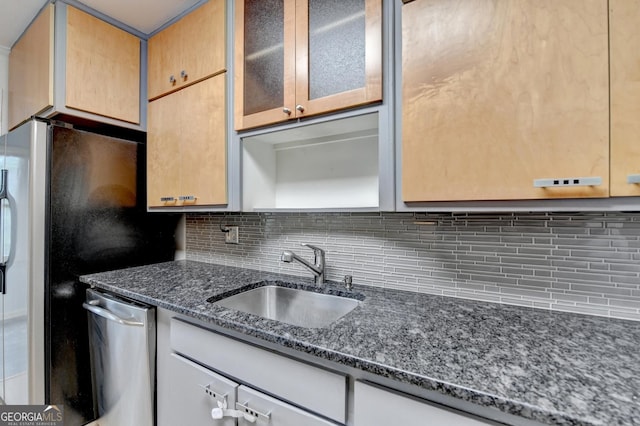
(291, 305)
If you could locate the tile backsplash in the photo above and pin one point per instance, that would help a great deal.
(586, 263)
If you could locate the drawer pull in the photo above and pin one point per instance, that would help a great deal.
(167, 199)
(187, 198)
(561, 182)
(172, 79)
(250, 411)
(219, 396)
(633, 179)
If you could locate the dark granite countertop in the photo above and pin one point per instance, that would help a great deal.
(552, 367)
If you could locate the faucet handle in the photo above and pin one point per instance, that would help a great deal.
(318, 253)
(314, 248)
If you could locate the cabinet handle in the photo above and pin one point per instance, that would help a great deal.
(172, 79)
(183, 74)
(167, 199)
(245, 407)
(187, 198)
(286, 110)
(557, 182)
(300, 108)
(219, 396)
(633, 179)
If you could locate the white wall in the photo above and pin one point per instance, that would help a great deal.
(4, 88)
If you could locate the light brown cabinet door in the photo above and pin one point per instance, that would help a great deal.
(624, 20)
(31, 70)
(264, 62)
(188, 51)
(203, 141)
(102, 68)
(163, 151)
(186, 146)
(338, 54)
(297, 58)
(498, 93)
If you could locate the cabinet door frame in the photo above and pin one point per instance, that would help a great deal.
(274, 115)
(371, 92)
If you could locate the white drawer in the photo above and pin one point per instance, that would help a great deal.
(280, 413)
(314, 388)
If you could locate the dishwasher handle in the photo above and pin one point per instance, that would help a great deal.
(104, 313)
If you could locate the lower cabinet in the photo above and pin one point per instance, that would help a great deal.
(376, 406)
(196, 391)
(200, 370)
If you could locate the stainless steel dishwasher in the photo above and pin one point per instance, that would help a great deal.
(122, 336)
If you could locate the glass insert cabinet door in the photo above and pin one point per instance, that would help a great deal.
(296, 58)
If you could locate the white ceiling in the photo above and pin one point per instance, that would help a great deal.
(143, 15)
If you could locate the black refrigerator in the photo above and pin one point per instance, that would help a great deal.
(75, 203)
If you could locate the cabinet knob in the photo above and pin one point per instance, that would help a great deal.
(300, 108)
(183, 74)
(286, 110)
(172, 79)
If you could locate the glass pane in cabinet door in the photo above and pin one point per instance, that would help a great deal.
(264, 55)
(336, 46)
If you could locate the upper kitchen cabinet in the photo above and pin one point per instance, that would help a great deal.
(187, 112)
(297, 58)
(102, 68)
(71, 63)
(31, 70)
(624, 16)
(505, 100)
(186, 146)
(188, 51)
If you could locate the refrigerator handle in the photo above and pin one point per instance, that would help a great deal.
(3, 183)
(4, 195)
(104, 313)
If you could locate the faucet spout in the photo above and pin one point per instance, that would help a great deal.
(317, 267)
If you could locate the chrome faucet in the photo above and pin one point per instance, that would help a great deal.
(317, 268)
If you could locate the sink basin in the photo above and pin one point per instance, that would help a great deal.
(291, 305)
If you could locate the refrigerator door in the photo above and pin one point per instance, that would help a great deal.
(97, 222)
(22, 319)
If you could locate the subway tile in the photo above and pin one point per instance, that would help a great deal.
(609, 290)
(517, 271)
(518, 302)
(581, 276)
(622, 303)
(580, 310)
(526, 293)
(624, 315)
